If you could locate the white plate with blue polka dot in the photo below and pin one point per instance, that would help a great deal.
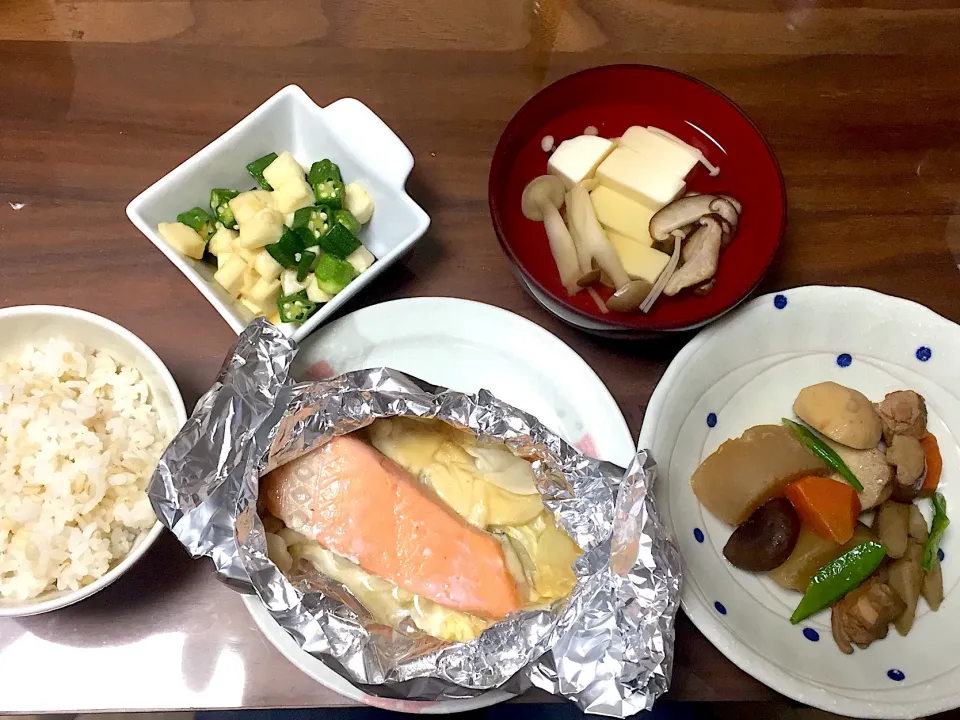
(747, 369)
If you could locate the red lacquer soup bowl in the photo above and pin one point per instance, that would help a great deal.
(612, 98)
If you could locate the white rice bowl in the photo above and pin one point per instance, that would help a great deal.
(81, 431)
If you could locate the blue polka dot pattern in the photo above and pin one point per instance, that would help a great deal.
(895, 675)
(844, 360)
(779, 301)
(720, 608)
(924, 353)
(940, 555)
(698, 535)
(711, 420)
(811, 634)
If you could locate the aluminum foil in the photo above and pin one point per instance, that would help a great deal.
(608, 647)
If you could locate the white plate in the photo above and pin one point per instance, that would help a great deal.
(465, 346)
(346, 131)
(746, 370)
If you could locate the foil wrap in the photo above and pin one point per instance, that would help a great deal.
(608, 647)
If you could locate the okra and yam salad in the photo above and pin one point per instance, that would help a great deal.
(629, 222)
(286, 247)
(828, 505)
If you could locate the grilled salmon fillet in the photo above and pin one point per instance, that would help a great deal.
(360, 504)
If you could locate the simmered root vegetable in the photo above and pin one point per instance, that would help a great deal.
(747, 471)
(829, 507)
(285, 248)
(872, 457)
(934, 463)
(811, 553)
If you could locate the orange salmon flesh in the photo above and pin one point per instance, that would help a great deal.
(361, 505)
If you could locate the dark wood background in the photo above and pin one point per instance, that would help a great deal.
(99, 98)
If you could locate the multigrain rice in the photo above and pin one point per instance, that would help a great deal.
(79, 438)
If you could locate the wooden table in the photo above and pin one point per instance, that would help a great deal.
(99, 98)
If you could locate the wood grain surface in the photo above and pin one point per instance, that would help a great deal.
(98, 99)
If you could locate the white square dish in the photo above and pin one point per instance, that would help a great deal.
(347, 132)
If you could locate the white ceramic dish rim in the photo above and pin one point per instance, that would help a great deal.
(314, 667)
(393, 149)
(176, 400)
(737, 652)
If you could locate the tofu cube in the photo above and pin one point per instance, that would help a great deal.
(231, 275)
(264, 228)
(576, 159)
(247, 204)
(293, 196)
(266, 266)
(222, 241)
(358, 202)
(183, 238)
(361, 259)
(640, 262)
(622, 214)
(675, 159)
(640, 177)
(285, 169)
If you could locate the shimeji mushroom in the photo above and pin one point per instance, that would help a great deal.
(595, 244)
(541, 201)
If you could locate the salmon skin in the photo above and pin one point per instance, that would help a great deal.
(358, 503)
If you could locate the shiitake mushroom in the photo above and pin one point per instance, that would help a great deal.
(766, 539)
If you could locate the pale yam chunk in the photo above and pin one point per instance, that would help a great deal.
(811, 553)
(747, 471)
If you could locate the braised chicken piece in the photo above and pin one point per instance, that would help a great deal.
(903, 412)
(865, 614)
(907, 456)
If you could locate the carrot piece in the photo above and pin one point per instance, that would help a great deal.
(829, 507)
(931, 450)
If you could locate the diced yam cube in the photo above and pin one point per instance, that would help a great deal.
(247, 204)
(222, 241)
(265, 293)
(264, 228)
(222, 259)
(250, 278)
(183, 238)
(622, 214)
(361, 259)
(314, 293)
(275, 319)
(358, 202)
(293, 196)
(285, 169)
(289, 283)
(249, 256)
(251, 306)
(266, 266)
(230, 276)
